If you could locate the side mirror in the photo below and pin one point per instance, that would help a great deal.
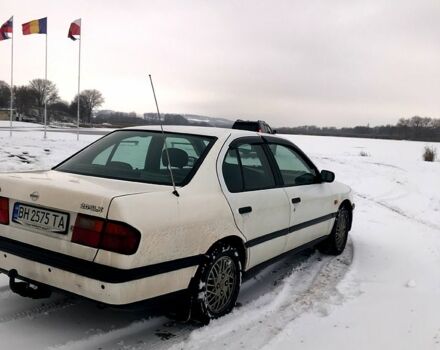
(274, 131)
(327, 176)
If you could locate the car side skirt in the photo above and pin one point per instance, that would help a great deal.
(288, 230)
(257, 268)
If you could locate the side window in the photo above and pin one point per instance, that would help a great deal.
(246, 168)
(232, 172)
(256, 170)
(294, 169)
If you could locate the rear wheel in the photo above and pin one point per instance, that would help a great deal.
(335, 243)
(217, 284)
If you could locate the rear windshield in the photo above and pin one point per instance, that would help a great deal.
(141, 156)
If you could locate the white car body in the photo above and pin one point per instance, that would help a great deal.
(176, 231)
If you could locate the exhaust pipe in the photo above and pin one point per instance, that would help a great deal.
(26, 289)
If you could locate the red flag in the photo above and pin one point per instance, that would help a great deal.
(6, 29)
(75, 29)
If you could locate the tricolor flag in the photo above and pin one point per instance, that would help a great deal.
(38, 26)
(6, 29)
(75, 29)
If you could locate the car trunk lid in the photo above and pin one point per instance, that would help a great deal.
(53, 196)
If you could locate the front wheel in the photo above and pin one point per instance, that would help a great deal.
(335, 243)
(217, 283)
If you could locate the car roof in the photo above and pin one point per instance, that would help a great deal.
(196, 130)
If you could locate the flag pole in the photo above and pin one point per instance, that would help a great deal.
(45, 92)
(79, 80)
(12, 78)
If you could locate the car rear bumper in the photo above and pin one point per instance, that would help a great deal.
(106, 284)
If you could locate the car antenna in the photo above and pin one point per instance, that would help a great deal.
(164, 140)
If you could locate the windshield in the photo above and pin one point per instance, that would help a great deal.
(140, 156)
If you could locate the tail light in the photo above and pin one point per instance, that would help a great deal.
(103, 234)
(4, 211)
(120, 237)
(87, 230)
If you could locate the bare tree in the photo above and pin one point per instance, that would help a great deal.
(60, 110)
(82, 107)
(24, 99)
(45, 91)
(89, 101)
(5, 95)
(435, 123)
(403, 122)
(416, 121)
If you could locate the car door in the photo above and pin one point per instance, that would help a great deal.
(260, 206)
(312, 203)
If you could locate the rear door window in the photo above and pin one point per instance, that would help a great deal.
(232, 171)
(247, 168)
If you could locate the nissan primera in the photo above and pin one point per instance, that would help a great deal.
(142, 213)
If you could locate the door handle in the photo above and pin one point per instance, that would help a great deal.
(245, 210)
(296, 200)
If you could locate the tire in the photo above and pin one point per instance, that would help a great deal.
(335, 243)
(217, 284)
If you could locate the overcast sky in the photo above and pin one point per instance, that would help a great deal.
(291, 62)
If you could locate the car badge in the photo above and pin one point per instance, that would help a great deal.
(34, 196)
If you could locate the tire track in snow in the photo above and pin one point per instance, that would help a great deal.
(286, 290)
(161, 334)
(398, 211)
(43, 309)
(96, 340)
(407, 190)
(310, 287)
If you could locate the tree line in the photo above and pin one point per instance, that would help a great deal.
(416, 128)
(29, 102)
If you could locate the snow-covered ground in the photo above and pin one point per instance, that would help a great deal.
(382, 293)
(20, 125)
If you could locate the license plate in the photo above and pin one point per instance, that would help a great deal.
(40, 218)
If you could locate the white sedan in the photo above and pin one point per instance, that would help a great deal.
(107, 224)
